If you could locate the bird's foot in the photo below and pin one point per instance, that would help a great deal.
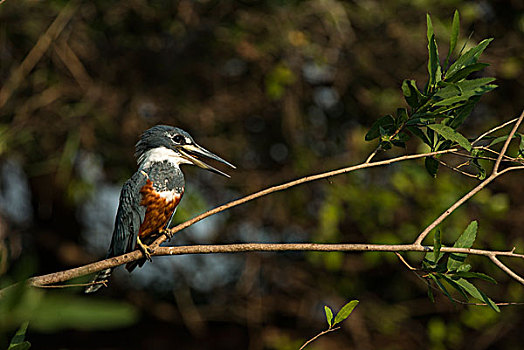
(167, 233)
(146, 250)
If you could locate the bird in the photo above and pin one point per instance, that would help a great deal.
(149, 199)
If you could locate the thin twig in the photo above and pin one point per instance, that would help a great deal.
(506, 144)
(453, 207)
(456, 169)
(318, 335)
(493, 130)
(506, 269)
(373, 154)
(405, 262)
(505, 158)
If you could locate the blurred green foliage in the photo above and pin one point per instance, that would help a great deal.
(51, 311)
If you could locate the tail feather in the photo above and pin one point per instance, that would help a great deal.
(97, 282)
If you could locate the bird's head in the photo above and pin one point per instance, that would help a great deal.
(163, 142)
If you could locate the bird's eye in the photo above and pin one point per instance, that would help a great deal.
(178, 139)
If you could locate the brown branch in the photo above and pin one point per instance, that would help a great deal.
(73, 64)
(104, 283)
(255, 247)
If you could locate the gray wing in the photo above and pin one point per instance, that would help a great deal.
(129, 217)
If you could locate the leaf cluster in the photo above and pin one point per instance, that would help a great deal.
(343, 313)
(438, 109)
(449, 269)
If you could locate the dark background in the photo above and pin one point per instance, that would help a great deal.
(282, 90)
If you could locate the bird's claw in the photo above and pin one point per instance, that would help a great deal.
(145, 249)
(167, 233)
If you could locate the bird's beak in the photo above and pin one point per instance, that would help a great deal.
(195, 154)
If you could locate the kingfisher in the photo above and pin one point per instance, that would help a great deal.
(149, 199)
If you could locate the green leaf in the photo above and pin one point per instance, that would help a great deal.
(441, 286)
(455, 28)
(429, 23)
(464, 97)
(450, 134)
(386, 123)
(463, 113)
(400, 139)
(462, 88)
(488, 301)
(345, 311)
(434, 69)
(462, 91)
(436, 246)
(470, 57)
(430, 293)
(402, 116)
(500, 139)
(476, 293)
(521, 145)
(464, 268)
(329, 315)
(18, 343)
(466, 274)
(425, 118)
(22, 346)
(454, 284)
(418, 133)
(465, 72)
(432, 137)
(411, 93)
(431, 166)
(465, 240)
(481, 171)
